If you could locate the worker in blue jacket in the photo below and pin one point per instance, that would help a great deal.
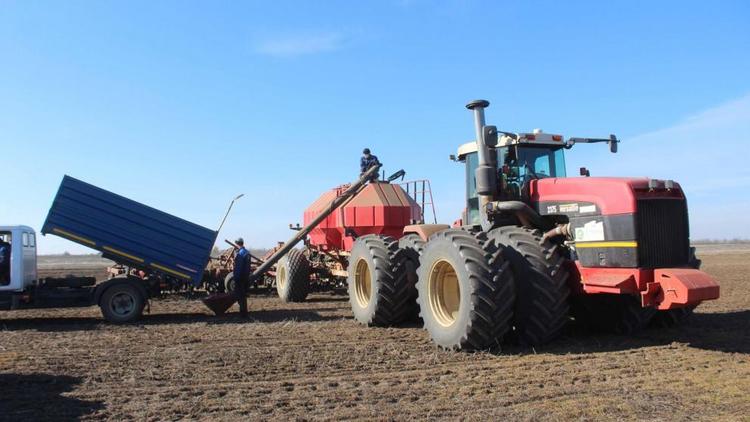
(366, 162)
(4, 262)
(241, 275)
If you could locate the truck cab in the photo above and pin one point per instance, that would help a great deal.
(22, 269)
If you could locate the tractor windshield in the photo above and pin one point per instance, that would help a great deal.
(531, 162)
(517, 165)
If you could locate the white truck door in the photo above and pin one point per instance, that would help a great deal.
(29, 258)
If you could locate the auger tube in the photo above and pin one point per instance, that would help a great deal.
(354, 189)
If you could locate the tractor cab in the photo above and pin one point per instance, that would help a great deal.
(520, 158)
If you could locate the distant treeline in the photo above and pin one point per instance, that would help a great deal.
(720, 241)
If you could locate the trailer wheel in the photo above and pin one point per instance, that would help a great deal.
(229, 283)
(293, 277)
(406, 263)
(465, 298)
(122, 303)
(377, 294)
(541, 308)
(612, 313)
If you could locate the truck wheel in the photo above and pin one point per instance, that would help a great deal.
(541, 308)
(122, 303)
(410, 247)
(377, 283)
(293, 277)
(229, 283)
(465, 299)
(612, 313)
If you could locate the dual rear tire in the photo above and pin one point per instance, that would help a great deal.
(478, 290)
(471, 289)
(380, 284)
(465, 299)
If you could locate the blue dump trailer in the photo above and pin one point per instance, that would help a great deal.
(129, 232)
(123, 230)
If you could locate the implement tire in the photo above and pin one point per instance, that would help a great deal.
(122, 303)
(229, 283)
(293, 277)
(378, 287)
(539, 270)
(465, 293)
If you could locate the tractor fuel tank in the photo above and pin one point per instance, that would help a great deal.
(380, 208)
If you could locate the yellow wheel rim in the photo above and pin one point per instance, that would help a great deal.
(362, 283)
(281, 277)
(444, 293)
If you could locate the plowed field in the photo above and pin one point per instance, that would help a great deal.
(312, 361)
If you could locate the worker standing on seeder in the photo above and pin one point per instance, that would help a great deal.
(241, 275)
(367, 161)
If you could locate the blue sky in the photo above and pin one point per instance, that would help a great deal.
(182, 105)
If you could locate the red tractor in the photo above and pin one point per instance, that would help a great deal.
(533, 249)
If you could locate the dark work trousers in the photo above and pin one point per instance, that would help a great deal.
(240, 291)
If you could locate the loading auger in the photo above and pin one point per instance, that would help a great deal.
(220, 302)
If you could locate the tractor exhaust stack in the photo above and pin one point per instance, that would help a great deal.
(486, 172)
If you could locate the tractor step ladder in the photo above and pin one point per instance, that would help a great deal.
(421, 192)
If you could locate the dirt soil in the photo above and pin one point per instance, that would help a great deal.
(312, 361)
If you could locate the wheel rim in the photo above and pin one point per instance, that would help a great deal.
(281, 278)
(444, 293)
(362, 283)
(122, 304)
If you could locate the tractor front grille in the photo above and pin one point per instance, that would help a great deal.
(663, 233)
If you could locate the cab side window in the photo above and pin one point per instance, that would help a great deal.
(32, 240)
(25, 238)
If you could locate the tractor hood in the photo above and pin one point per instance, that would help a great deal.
(619, 222)
(598, 195)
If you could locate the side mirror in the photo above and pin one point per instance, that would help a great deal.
(490, 136)
(584, 172)
(613, 143)
(452, 157)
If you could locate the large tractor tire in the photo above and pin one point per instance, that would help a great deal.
(122, 303)
(541, 278)
(413, 245)
(410, 248)
(378, 287)
(612, 313)
(293, 277)
(465, 298)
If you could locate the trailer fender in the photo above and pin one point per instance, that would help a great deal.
(133, 281)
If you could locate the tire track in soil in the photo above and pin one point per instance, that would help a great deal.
(310, 361)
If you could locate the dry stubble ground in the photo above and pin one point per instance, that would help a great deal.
(311, 361)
